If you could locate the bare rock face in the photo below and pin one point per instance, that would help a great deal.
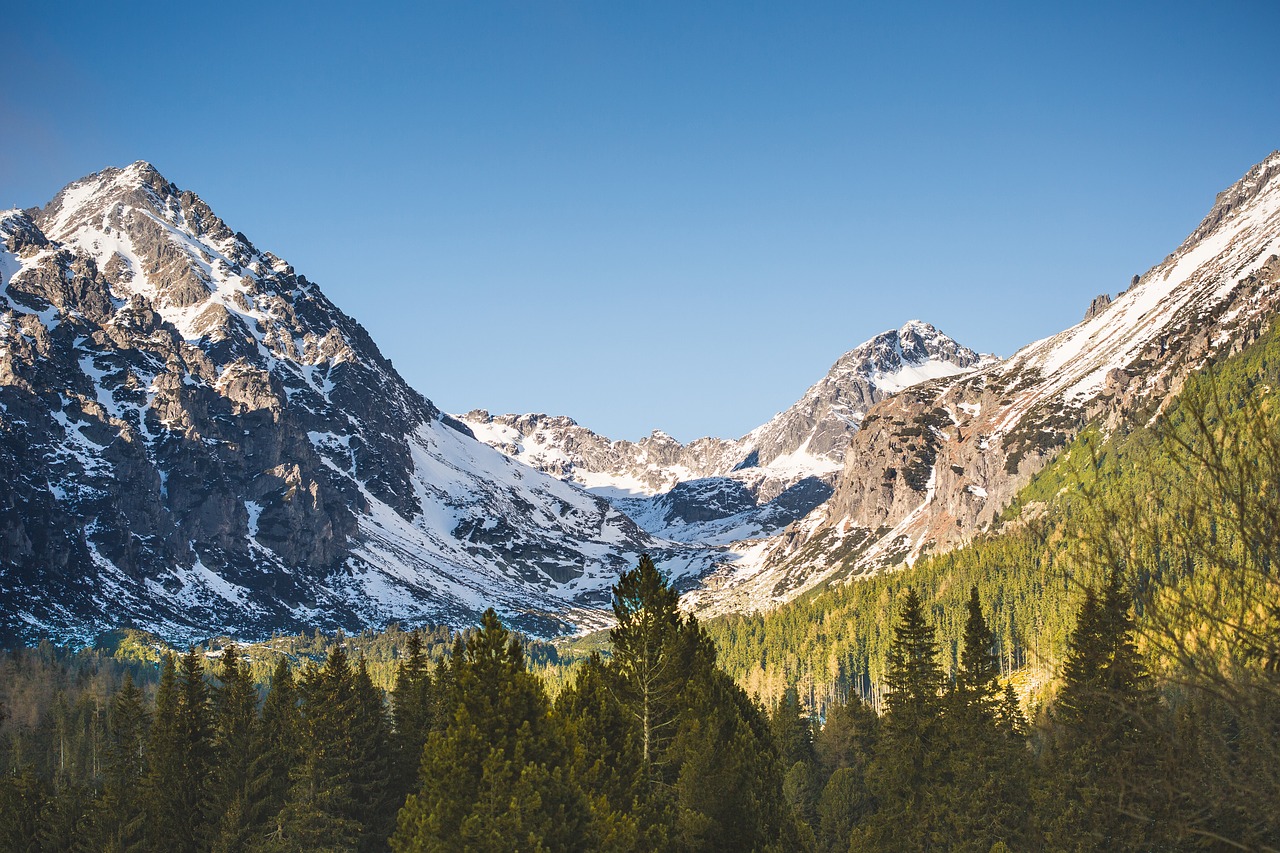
(1100, 303)
(939, 462)
(806, 444)
(194, 439)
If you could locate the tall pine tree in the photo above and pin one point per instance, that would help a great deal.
(234, 717)
(498, 775)
(983, 792)
(1103, 764)
(121, 814)
(653, 657)
(909, 765)
(277, 751)
(179, 755)
(412, 705)
(321, 807)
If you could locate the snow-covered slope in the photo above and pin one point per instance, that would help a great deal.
(938, 462)
(195, 440)
(743, 488)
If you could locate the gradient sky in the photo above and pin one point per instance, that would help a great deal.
(662, 215)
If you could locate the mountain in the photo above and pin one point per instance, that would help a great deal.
(939, 462)
(716, 491)
(194, 439)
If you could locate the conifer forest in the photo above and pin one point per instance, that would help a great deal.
(1100, 672)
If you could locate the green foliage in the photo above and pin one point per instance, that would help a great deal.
(654, 656)
(277, 750)
(1137, 567)
(1105, 740)
(22, 799)
(984, 797)
(234, 719)
(412, 703)
(907, 772)
(120, 821)
(497, 775)
(837, 642)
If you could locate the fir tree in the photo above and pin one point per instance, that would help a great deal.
(977, 683)
(607, 759)
(847, 737)
(322, 802)
(412, 704)
(65, 820)
(914, 677)
(234, 717)
(169, 825)
(844, 746)
(653, 657)
(22, 799)
(845, 802)
(370, 758)
(983, 791)
(712, 778)
(909, 765)
(1097, 795)
(729, 788)
(277, 748)
(121, 814)
(498, 775)
(792, 729)
(793, 737)
(1009, 716)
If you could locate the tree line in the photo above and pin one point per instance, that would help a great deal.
(654, 747)
(1149, 592)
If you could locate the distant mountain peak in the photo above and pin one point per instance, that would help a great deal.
(941, 462)
(761, 481)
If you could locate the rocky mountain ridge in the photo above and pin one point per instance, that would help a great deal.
(937, 463)
(195, 440)
(716, 491)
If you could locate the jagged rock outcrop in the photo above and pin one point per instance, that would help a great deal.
(784, 468)
(939, 462)
(195, 440)
(1100, 303)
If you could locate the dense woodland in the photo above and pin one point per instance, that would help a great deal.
(655, 748)
(1102, 674)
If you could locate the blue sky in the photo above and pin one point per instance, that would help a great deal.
(662, 215)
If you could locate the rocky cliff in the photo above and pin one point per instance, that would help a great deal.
(939, 462)
(194, 439)
(746, 487)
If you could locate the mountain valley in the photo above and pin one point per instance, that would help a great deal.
(194, 440)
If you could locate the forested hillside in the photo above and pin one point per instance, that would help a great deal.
(654, 748)
(1130, 596)
(1185, 502)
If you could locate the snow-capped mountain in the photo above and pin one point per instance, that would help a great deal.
(940, 461)
(194, 439)
(716, 491)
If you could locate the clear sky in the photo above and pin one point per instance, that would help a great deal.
(662, 215)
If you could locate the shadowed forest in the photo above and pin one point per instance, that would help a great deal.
(1102, 673)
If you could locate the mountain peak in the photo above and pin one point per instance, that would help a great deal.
(919, 327)
(90, 200)
(197, 441)
(883, 359)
